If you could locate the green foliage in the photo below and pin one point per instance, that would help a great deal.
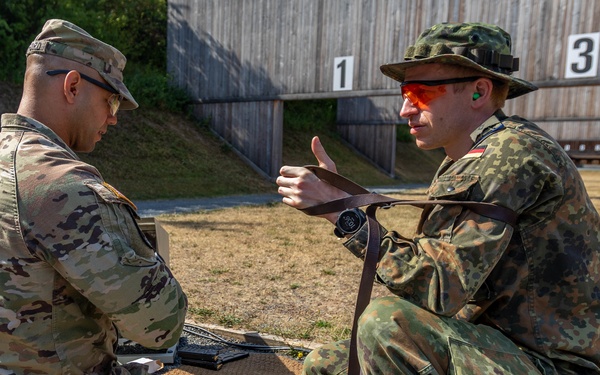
(138, 28)
(151, 89)
(230, 320)
(328, 271)
(310, 115)
(403, 134)
(295, 353)
(322, 324)
(20, 21)
(201, 312)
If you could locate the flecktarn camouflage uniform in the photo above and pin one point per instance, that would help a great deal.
(74, 267)
(472, 294)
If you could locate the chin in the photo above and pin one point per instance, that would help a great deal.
(86, 150)
(424, 145)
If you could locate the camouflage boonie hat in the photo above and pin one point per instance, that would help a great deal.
(64, 39)
(479, 46)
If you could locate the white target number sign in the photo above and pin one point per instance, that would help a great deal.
(343, 71)
(582, 55)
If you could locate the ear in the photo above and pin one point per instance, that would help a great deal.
(482, 93)
(72, 86)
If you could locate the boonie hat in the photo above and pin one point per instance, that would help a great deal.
(64, 39)
(479, 46)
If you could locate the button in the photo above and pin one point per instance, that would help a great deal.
(450, 188)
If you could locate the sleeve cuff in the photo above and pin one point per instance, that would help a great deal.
(357, 244)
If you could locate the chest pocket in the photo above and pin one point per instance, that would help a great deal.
(455, 187)
(437, 221)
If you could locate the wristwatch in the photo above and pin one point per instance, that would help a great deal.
(349, 222)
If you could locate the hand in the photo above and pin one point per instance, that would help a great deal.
(301, 188)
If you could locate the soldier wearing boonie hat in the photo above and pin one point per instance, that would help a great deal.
(482, 47)
(78, 272)
(64, 39)
(472, 294)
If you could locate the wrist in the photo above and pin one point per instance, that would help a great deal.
(332, 217)
(349, 222)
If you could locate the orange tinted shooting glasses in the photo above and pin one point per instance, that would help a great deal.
(420, 93)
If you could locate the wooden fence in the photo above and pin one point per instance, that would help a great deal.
(228, 53)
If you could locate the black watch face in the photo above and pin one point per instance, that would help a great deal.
(349, 221)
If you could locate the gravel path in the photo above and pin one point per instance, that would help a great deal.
(160, 207)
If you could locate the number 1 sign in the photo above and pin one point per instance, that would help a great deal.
(582, 55)
(343, 68)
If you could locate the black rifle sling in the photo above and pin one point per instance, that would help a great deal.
(362, 197)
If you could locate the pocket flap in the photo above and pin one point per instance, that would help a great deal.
(453, 187)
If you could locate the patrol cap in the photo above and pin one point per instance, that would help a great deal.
(64, 39)
(479, 46)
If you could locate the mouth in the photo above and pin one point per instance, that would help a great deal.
(415, 127)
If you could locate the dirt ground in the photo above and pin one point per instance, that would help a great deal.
(270, 269)
(275, 270)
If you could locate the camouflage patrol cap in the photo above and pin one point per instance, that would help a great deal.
(64, 39)
(479, 46)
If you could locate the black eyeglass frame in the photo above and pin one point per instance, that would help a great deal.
(87, 78)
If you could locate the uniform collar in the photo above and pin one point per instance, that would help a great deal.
(14, 120)
(488, 125)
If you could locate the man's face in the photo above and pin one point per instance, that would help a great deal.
(436, 113)
(93, 119)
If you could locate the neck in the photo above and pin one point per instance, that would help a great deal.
(465, 143)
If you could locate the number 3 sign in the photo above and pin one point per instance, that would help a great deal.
(582, 55)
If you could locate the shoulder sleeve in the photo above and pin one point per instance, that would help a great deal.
(90, 236)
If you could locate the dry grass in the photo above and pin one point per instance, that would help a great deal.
(275, 270)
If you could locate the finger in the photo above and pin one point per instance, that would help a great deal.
(288, 171)
(285, 191)
(288, 197)
(282, 181)
(287, 200)
(319, 151)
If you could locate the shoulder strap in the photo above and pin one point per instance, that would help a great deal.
(362, 197)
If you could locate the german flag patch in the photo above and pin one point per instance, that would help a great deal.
(476, 152)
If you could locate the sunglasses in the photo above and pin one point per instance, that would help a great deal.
(421, 93)
(114, 101)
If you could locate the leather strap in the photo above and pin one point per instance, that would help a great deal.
(362, 197)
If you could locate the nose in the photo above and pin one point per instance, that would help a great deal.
(408, 108)
(111, 119)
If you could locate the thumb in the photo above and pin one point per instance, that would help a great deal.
(321, 155)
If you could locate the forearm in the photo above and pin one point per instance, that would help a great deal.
(157, 318)
(435, 272)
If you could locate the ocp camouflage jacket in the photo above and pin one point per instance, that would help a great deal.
(74, 265)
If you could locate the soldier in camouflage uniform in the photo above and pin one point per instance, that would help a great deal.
(76, 271)
(474, 295)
